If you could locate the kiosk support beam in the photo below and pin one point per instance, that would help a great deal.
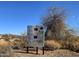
(36, 50)
(43, 50)
(27, 49)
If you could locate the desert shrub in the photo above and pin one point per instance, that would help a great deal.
(63, 43)
(5, 48)
(73, 44)
(23, 43)
(53, 44)
(18, 43)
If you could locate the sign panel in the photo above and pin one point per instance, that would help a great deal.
(35, 36)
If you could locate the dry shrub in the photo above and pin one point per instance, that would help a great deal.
(73, 44)
(18, 43)
(70, 43)
(5, 48)
(53, 44)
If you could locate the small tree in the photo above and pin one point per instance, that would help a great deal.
(54, 21)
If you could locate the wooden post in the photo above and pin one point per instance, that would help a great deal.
(43, 50)
(36, 50)
(27, 49)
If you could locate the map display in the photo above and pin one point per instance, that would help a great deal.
(35, 36)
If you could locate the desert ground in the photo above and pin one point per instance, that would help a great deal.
(22, 52)
(55, 53)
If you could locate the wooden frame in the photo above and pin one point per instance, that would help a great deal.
(36, 50)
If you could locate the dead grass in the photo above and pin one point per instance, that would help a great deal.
(5, 48)
(53, 44)
(73, 44)
(19, 43)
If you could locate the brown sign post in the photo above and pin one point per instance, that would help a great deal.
(36, 50)
(27, 49)
(43, 50)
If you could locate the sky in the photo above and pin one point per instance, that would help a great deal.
(16, 16)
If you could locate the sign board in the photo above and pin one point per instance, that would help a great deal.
(35, 36)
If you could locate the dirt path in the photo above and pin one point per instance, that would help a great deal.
(55, 53)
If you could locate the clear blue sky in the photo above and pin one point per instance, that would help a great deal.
(15, 16)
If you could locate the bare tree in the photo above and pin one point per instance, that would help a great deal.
(54, 21)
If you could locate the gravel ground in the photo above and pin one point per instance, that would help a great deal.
(55, 53)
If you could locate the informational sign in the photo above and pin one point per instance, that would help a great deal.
(35, 36)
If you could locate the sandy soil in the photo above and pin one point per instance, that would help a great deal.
(55, 53)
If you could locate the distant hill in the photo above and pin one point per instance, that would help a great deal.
(12, 36)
